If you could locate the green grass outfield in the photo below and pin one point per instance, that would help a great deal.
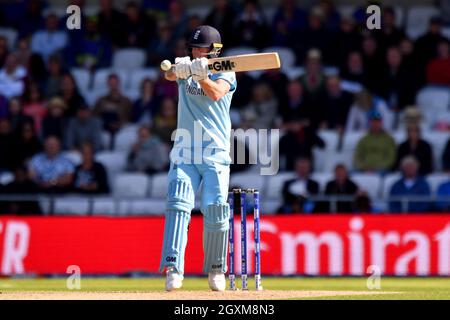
(401, 288)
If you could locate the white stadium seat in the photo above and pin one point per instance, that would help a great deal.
(433, 102)
(125, 139)
(131, 185)
(332, 158)
(137, 76)
(275, 185)
(113, 161)
(418, 18)
(82, 78)
(10, 35)
(437, 140)
(72, 205)
(100, 82)
(108, 206)
(73, 156)
(247, 181)
(295, 72)
(129, 59)
(369, 182)
(6, 177)
(436, 179)
(146, 207)
(388, 182)
(159, 186)
(322, 178)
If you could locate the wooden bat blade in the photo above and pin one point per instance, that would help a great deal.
(245, 62)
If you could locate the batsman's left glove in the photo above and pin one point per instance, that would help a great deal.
(182, 67)
(199, 69)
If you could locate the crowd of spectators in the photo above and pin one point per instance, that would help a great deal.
(43, 112)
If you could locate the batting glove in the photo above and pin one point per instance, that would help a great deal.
(182, 67)
(199, 69)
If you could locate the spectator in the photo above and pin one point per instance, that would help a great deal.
(338, 103)
(389, 35)
(417, 147)
(446, 157)
(222, 17)
(52, 172)
(331, 16)
(287, 21)
(177, 18)
(110, 22)
(55, 77)
(438, 69)
(114, 108)
(426, 45)
(50, 40)
(4, 51)
(252, 26)
(409, 186)
(91, 50)
(374, 63)
(354, 69)
(240, 156)
(70, 94)
(149, 154)
(376, 151)
(11, 77)
(165, 121)
(315, 35)
(300, 138)
(4, 108)
(34, 105)
(296, 191)
(398, 84)
(341, 185)
(25, 144)
(55, 124)
(242, 96)
(262, 110)
(23, 52)
(6, 144)
(84, 128)
(346, 40)
(296, 107)
(444, 192)
(146, 106)
(22, 185)
(90, 176)
(136, 26)
(277, 81)
(160, 47)
(365, 104)
(15, 114)
(313, 82)
(32, 19)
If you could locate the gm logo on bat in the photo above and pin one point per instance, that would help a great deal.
(224, 65)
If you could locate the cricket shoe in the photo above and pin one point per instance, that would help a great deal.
(174, 280)
(217, 281)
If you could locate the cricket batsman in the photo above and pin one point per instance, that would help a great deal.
(204, 103)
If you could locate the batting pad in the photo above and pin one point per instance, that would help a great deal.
(215, 237)
(175, 240)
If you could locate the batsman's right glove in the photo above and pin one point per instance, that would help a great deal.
(182, 67)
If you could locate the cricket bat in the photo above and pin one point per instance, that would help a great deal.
(239, 63)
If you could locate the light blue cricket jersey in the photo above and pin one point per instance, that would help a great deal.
(200, 116)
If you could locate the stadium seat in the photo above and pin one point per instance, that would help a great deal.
(82, 78)
(275, 186)
(146, 207)
(350, 140)
(137, 76)
(436, 179)
(269, 207)
(129, 59)
(159, 186)
(71, 205)
(287, 57)
(322, 178)
(108, 206)
(294, 72)
(387, 183)
(131, 185)
(73, 156)
(332, 158)
(437, 140)
(432, 102)
(418, 18)
(125, 139)
(6, 177)
(248, 180)
(11, 36)
(369, 182)
(346, 10)
(100, 82)
(330, 137)
(113, 161)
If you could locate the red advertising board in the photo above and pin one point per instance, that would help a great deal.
(290, 244)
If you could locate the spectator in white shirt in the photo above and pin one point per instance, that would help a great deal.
(49, 41)
(11, 77)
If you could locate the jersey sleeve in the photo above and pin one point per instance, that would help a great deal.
(229, 77)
